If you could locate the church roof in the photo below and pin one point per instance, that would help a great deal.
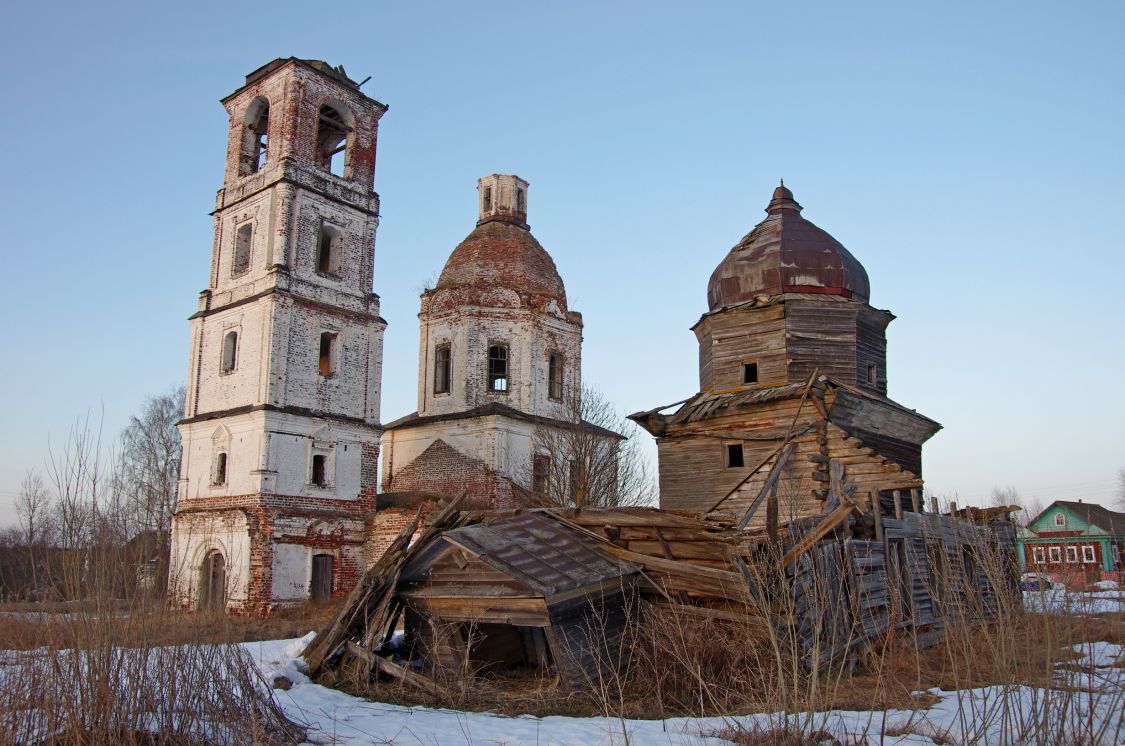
(503, 253)
(497, 410)
(785, 253)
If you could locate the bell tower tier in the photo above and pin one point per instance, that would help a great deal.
(282, 410)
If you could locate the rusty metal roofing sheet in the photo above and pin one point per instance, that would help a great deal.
(545, 555)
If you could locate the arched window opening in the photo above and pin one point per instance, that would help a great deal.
(498, 368)
(442, 369)
(230, 352)
(327, 361)
(321, 585)
(213, 583)
(255, 139)
(332, 140)
(329, 247)
(242, 240)
(219, 472)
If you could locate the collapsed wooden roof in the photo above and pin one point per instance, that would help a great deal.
(704, 567)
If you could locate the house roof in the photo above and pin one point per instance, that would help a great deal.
(1092, 513)
(541, 553)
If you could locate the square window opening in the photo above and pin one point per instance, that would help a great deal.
(749, 372)
(734, 456)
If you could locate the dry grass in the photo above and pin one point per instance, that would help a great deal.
(100, 673)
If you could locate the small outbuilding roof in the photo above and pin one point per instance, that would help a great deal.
(541, 553)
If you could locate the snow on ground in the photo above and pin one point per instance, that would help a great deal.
(1062, 601)
(1085, 705)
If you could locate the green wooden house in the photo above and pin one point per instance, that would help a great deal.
(1074, 542)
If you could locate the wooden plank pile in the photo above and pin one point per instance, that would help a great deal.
(830, 583)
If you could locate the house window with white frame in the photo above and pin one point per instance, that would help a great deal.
(1054, 554)
(1038, 555)
(1088, 554)
(1072, 554)
(1060, 519)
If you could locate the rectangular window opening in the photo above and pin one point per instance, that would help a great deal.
(749, 372)
(1038, 555)
(555, 376)
(872, 374)
(498, 368)
(488, 199)
(230, 352)
(442, 369)
(321, 577)
(242, 242)
(329, 248)
(320, 470)
(1088, 554)
(734, 456)
(327, 362)
(220, 475)
(541, 475)
(1055, 554)
(1072, 554)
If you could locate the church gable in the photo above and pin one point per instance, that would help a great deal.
(441, 470)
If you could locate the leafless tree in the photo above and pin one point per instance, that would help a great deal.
(1009, 496)
(36, 525)
(594, 462)
(149, 463)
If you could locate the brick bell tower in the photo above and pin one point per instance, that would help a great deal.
(281, 425)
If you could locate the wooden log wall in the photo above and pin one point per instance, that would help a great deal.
(727, 340)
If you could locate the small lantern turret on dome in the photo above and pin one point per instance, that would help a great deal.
(502, 197)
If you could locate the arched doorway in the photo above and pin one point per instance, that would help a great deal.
(213, 583)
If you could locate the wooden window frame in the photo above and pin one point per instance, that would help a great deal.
(490, 370)
(1039, 555)
(1089, 556)
(1060, 519)
(1054, 554)
(729, 450)
(443, 369)
(1071, 552)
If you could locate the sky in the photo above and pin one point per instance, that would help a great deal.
(970, 155)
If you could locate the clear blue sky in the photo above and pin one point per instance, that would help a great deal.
(969, 154)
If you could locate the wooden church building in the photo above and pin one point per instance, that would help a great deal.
(792, 377)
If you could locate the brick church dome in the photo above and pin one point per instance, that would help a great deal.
(502, 253)
(786, 254)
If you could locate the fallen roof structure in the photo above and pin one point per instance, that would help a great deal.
(558, 587)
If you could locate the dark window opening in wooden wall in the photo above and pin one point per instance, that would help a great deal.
(321, 577)
(498, 368)
(734, 455)
(555, 375)
(442, 369)
(541, 474)
(749, 372)
(320, 470)
(327, 364)
(872, 374)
